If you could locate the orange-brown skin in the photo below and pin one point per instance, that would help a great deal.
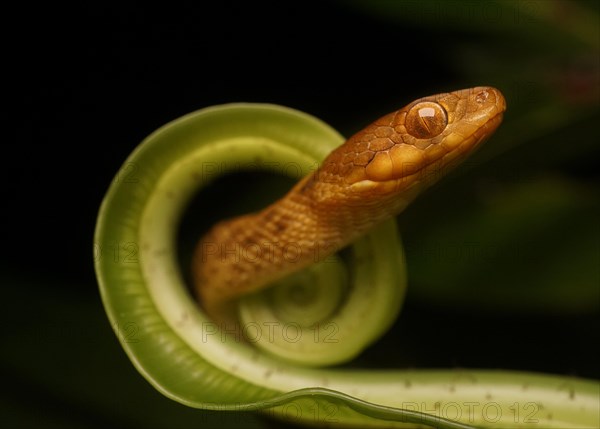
(374, 175)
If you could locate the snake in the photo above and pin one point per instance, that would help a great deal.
(277, 296)
(373, 176)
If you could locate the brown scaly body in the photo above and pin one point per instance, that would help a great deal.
(374, 175)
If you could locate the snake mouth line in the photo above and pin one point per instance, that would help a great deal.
(488, 127)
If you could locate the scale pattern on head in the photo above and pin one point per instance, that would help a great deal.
(415, 145)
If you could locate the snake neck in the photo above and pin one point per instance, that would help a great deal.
(241, 255)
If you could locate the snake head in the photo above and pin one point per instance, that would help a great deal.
(410, 149)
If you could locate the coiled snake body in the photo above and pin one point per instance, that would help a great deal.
(374, 175)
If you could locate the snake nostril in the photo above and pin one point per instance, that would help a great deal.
(482, 97)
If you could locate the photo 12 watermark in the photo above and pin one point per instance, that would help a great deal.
(271, 332)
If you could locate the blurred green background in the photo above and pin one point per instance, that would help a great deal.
(503, 255)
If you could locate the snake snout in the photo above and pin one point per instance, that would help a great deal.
(488, 100)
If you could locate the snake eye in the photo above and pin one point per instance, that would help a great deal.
(426, 120)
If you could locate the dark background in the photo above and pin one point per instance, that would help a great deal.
(503, 256)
